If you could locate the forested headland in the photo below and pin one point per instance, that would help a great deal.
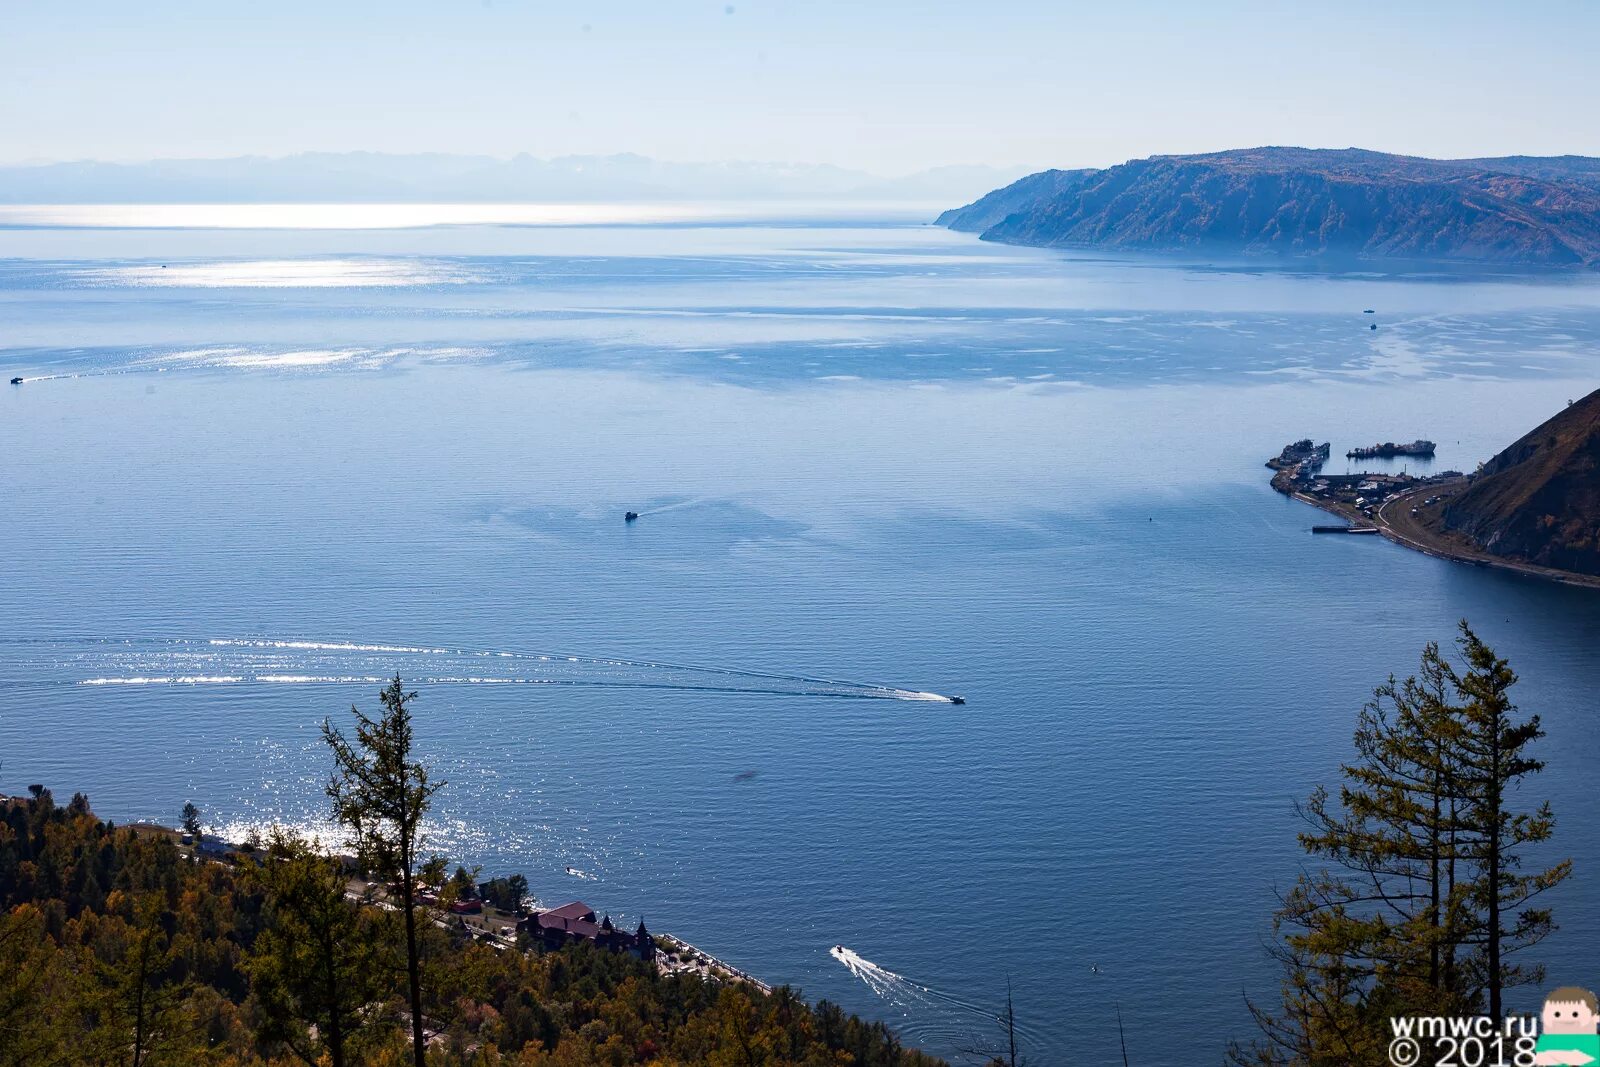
(119, 946)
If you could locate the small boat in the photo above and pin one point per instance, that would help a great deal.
(1369, 311)
(630, 516)
(1374, 326)
(958, 700)
(16, 381)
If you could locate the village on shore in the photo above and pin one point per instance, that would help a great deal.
(477, 912)
(1359, 498)
(1408, 509)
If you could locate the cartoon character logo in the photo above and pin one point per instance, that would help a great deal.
(1568, 1034)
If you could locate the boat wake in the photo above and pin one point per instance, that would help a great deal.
(953, 1016)
(895, 988)
(94, 661)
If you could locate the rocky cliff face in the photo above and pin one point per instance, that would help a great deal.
(1316, 203)
(1539, 500)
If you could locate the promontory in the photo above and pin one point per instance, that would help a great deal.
(1329, 204)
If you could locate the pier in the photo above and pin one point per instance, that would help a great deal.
(1403, 508)
(1356, 498)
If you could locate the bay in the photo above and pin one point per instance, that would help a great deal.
(874, 461)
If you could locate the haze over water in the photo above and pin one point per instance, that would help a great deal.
(876, 463)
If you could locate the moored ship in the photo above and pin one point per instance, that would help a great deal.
(1389, 450)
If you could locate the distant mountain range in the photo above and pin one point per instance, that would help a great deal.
(374, 177)
(1329, 203)
(1539, 500)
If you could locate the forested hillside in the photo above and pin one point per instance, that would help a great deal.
(119, 947)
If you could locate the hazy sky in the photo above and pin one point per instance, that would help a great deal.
(885, 86)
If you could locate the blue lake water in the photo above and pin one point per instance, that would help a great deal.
(255, 467)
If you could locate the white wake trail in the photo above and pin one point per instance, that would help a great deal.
(905, 992)
(895, 988)
(99, 661)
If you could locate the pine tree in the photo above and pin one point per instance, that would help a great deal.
(516, 892)
(30, 993)
(381, 795)
(145, 998)
(1407, 915)
(317, 964)
(1491, 759)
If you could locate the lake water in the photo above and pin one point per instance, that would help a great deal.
(262, 461)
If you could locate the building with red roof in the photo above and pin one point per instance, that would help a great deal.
(576, 922)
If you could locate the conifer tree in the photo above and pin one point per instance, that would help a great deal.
(1492, 757)
(32, 991)
(144, 997)
(381, 794)
(317, 964)
(1419, 898)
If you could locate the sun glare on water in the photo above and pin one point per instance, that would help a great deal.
(281, 274)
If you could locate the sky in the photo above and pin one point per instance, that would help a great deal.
(881, 85)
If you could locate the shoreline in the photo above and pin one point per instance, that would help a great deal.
(1400, 527)
(491, 925)
(1416, 535)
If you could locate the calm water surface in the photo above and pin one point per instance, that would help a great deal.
(875, 453)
